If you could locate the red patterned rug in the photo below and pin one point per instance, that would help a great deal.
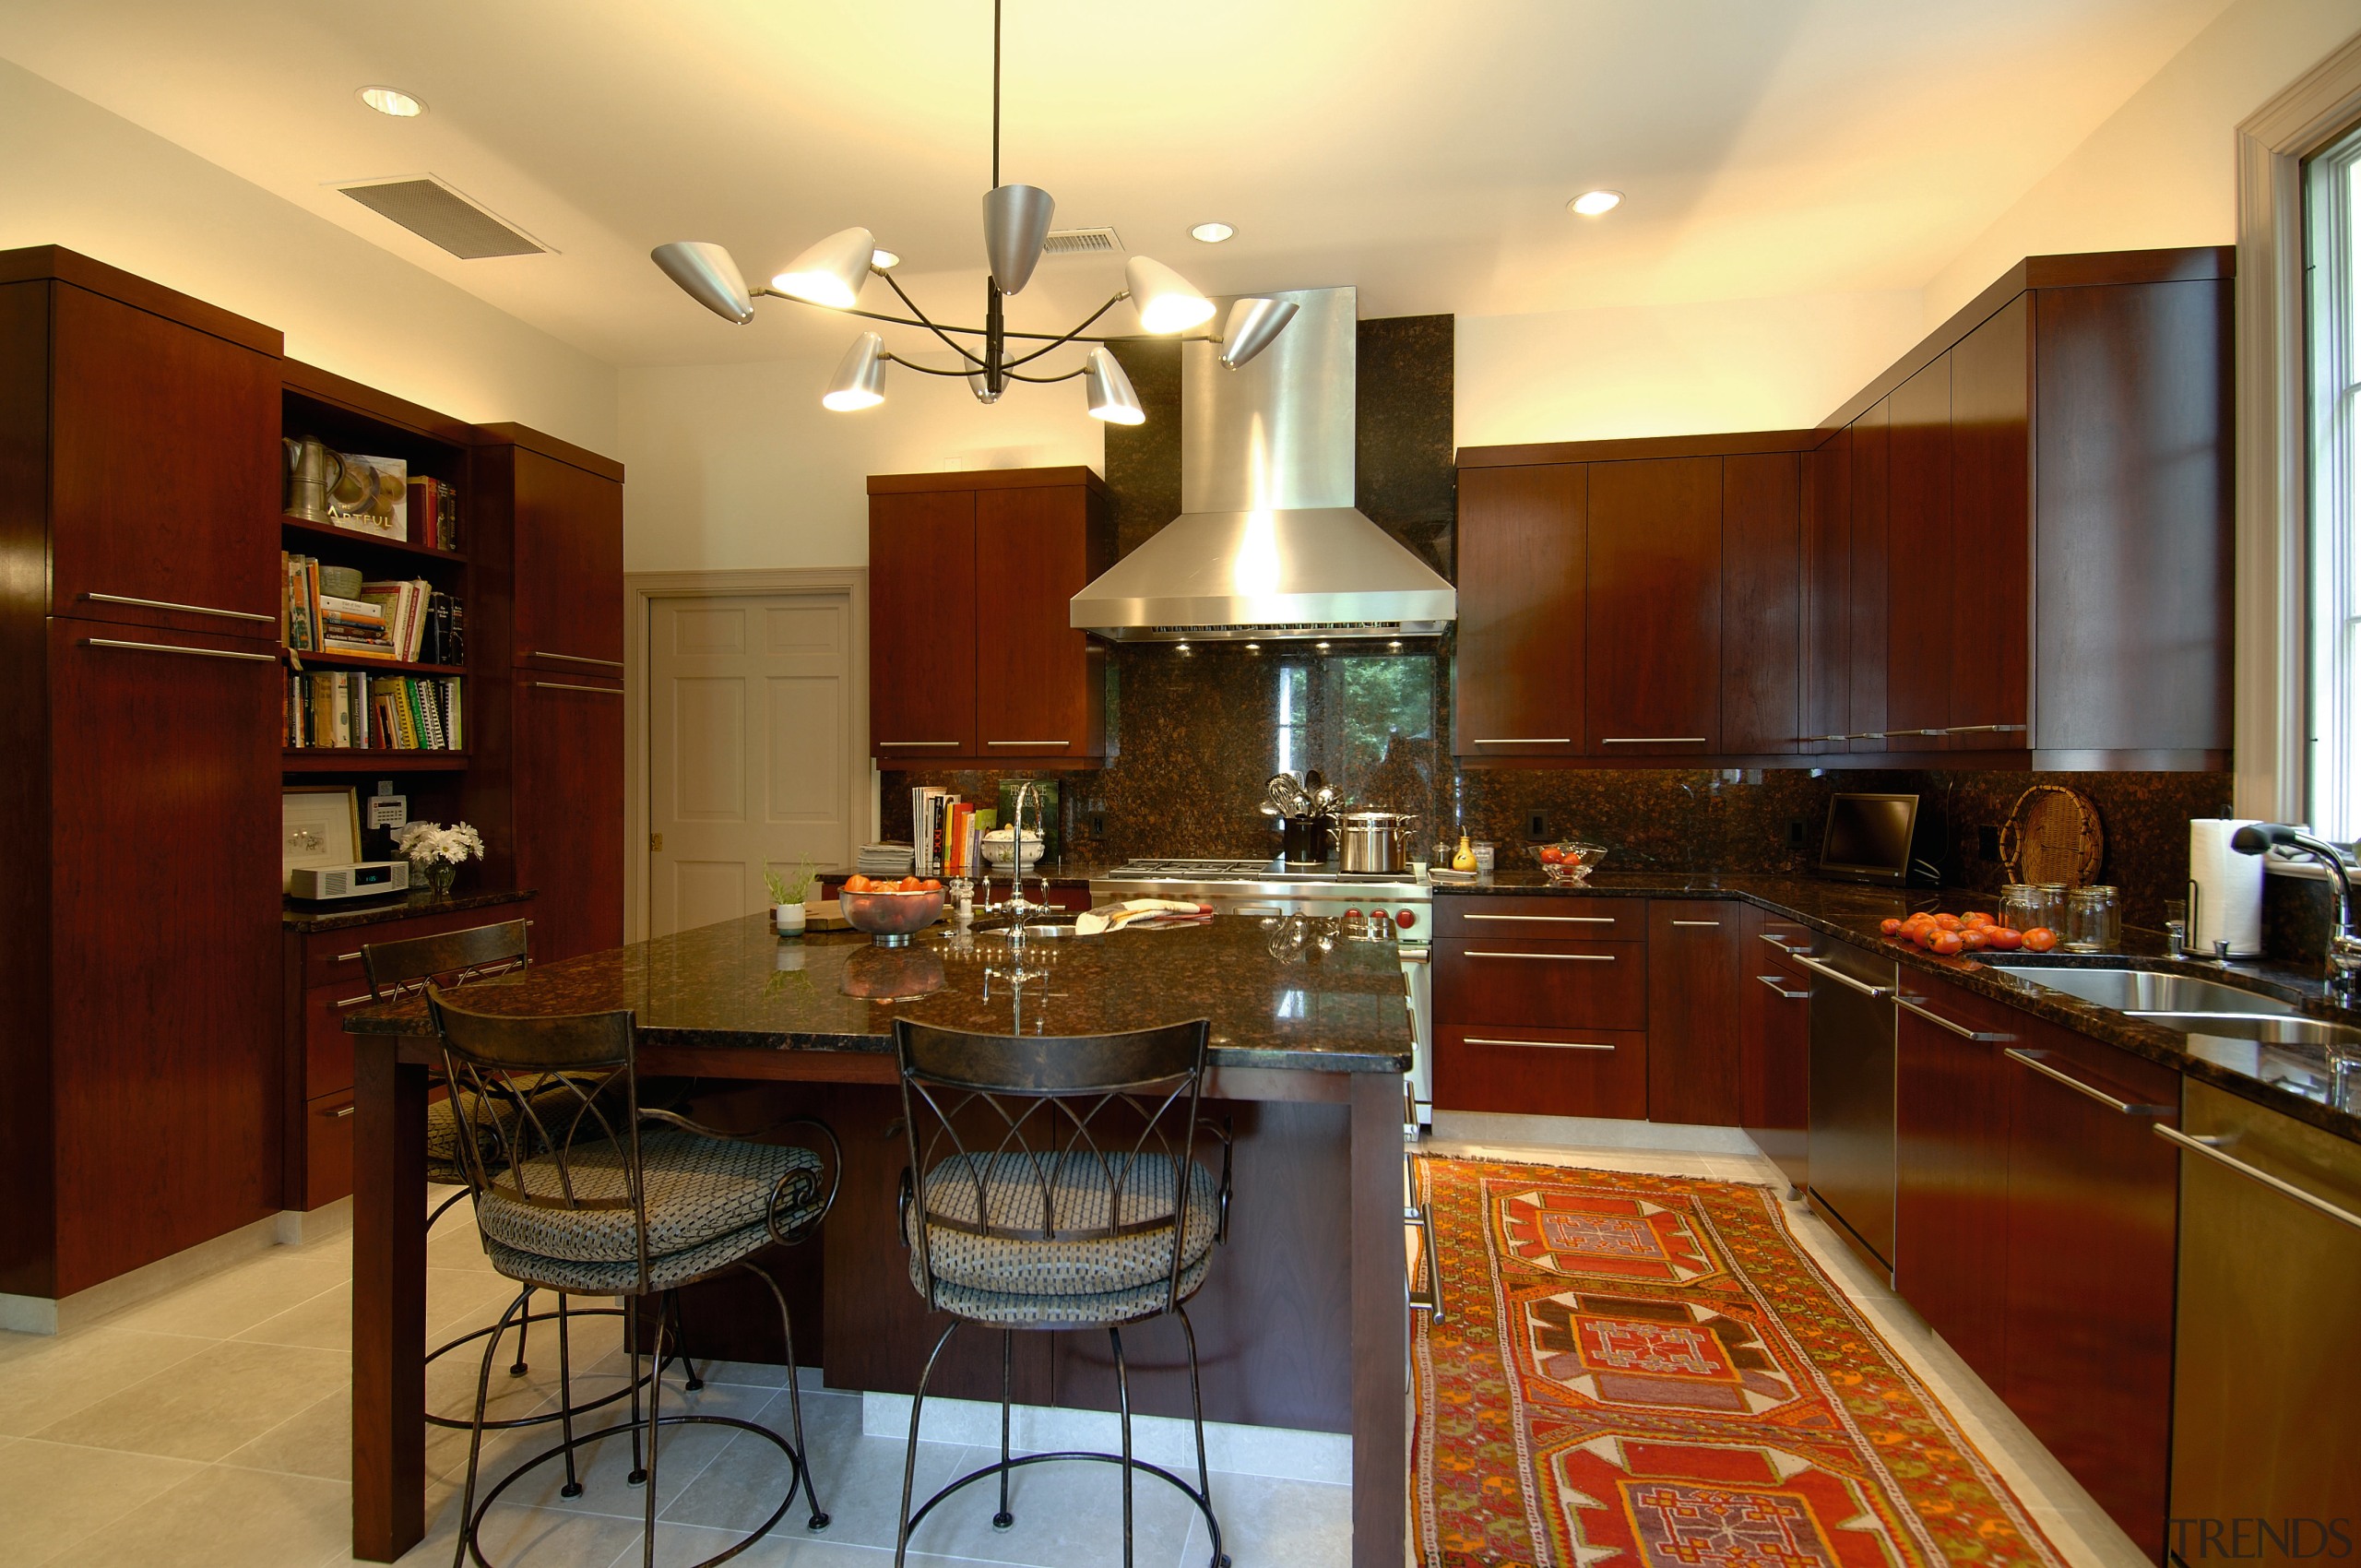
(1649, 1371)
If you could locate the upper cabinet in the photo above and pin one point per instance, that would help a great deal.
(1519, 668)
(971, 658)
(1869, 588)
(566, 516)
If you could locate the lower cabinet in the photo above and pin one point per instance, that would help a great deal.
(569, 760)
(1696, 957)
(1950, 1106)
(1775, 1043)
(1530, 1023)
(1518, 1070)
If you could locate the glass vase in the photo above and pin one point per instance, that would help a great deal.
(440, 876)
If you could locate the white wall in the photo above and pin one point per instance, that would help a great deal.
(738, 465)
(1680, 369)
(73, 174)
(2160, 171)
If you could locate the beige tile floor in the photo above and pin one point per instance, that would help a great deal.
(210, 1427)
(2074, 1524)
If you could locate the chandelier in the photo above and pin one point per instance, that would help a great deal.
(830, 275)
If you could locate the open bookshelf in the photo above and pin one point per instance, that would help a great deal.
(381, 665)
(352, 759)
(328, 536)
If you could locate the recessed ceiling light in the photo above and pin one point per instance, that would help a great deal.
(885, 261)
(1212, 234)
(1590, 204)
(392, 100)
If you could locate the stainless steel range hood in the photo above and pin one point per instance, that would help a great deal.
(1268, 545)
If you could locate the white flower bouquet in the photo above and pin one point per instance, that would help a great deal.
(436, 853)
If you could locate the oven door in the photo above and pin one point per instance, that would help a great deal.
(1417, 981)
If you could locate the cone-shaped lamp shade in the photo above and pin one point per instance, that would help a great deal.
(1251, 326)
(1016, 220)
(831, 272)
(1164, 299)
(981, 389)
(860, 381)
(1109, 390)
(707, 275)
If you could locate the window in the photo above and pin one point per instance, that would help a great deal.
(2331, 198)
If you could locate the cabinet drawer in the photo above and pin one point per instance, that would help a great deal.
(1539, 1072)
(333, 957)
(1542, 916)
(328, 1148)
(328, 1050)
(1565, 985)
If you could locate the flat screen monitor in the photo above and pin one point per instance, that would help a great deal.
(1869, 838)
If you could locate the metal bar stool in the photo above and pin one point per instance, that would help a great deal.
(450, 959)
(1053, 1184)
(585, 1190)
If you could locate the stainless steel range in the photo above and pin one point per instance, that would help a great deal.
(1385, 906)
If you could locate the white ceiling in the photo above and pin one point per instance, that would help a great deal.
(1421, 151)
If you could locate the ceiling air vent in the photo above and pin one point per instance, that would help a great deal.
(433, 211)
(1080, 242)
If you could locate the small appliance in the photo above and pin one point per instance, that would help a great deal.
(361, 879)
(1878, 838)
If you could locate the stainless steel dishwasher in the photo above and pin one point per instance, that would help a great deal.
(1851, 1166)
(2266, 1383)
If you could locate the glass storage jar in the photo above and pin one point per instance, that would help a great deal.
(2094, 921)
(2024, 905)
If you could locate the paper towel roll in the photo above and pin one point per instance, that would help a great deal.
(2225, 889)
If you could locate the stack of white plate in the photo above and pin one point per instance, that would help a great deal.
(886, 860)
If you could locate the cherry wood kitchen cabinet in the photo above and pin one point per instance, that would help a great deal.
(1040, 682)
(1991, 519)
(565, 524)
(1541, 1005)
(1823, 716)
(568, 756)
(971, 659)
(1764, 603)
(1951, 1166)
(1518, 673)
(2094, 1198)
(1653, 609)
(1775, 1042)
(1696, 967)
(1919, 633)
(1868, 631)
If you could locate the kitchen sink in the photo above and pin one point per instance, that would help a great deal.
(2294, 1034)
(2161, 998)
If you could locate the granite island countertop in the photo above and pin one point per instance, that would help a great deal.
(739, 985)
(1852, 911)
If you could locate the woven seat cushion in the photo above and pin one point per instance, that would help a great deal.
(623, 1279)
(1075, 1311)
(554, 1104)
(697, 1190)
(1083, 1188)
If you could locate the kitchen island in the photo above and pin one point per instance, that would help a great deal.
(1302, 1321)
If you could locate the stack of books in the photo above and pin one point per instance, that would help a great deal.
(410, 621)
(433, 513)
(352, 708)
(949, 833)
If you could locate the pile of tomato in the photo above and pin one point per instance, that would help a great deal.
(859, 884)
(1971, 932)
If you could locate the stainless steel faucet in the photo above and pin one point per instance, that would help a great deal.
(2345, 922)
(1018, 908)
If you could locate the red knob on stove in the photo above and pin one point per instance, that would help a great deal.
(1352, 914)
(1378, 915)
(1404, 919)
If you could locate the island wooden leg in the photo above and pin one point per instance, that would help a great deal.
(388, 1302)
(1380, 1323)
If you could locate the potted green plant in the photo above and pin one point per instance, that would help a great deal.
(788, 892)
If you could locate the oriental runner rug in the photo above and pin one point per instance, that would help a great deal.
(1648, 1372)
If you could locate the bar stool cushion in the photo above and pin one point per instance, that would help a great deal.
(698, 1189)
(442, 1126)
(1081, 1309)
(623, 1279)
(1084, 1191)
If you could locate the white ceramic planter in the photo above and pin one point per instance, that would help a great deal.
(789, 918)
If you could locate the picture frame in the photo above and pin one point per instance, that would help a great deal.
(319, 826)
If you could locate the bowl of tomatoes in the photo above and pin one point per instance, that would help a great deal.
(1569, 860)
(891, 909)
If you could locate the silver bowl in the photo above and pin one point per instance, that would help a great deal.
(890, 918)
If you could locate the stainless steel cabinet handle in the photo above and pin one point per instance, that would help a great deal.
(175, 648)
(346, 959)
(575, 658)
(1540, 1044)
(918, 742)
(1525, 741)
(1773, 938)
(1652, 740)
(2207, 1145)
(1022, 743)
(1558, 919)
(341, 1112)
(1715, 924)
(1982, 729)
(1557, 957)
(1773, 981)
(355, 1001)
(569, 686)
(1960, 1029)
(2085, 1090)
(1816, 966)
(184, 609)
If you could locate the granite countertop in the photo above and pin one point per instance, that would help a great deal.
(1851, 912)
(736, 984)
(338, 914)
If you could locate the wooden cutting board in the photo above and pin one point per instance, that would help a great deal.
(827, 916)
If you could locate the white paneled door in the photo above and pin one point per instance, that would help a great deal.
(750, 734)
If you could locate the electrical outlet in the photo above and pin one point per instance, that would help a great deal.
(1097, 824)
(1536, 828)
(1795, 833)
(1987, 842)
